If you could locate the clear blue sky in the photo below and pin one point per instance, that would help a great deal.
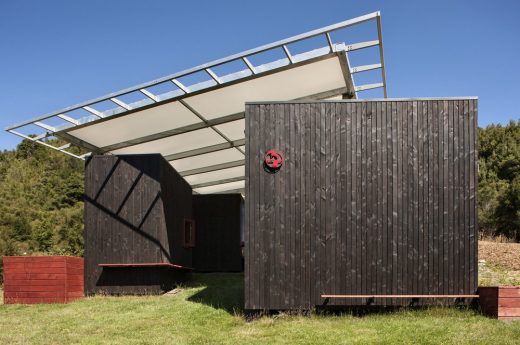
(57, 53)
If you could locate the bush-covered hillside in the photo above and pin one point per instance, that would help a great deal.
(499, 180)
(41, 202)
(41, 207)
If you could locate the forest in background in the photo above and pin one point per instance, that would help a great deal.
(41, 195)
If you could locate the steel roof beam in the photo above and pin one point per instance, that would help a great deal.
(45, 126)
(206, 149)
(232, 191)
(78, 142)
(66, 146)
(361, 45)
(42, 143)
(288, 54)
(381, 54)
(149, 95)
(207, 123)
(323, 95)
(43, 135)
(180, 86)
(215, 167)
(213, 76)
(94, 112)
(329, 42)
(217, 182)
(249, 65)
(347, 76)
(69, 119)
(364, 68)
(121, 103)
(369, 86)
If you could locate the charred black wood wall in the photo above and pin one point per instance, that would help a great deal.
(135, 206)
(217, 225)
(374, 197)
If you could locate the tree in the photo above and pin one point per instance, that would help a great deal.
(499, 180)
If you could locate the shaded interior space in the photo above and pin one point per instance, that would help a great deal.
(145, 230)
(219, 232)
(136, 207)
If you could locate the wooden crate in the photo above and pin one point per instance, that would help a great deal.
(42, 279)
(500, 302)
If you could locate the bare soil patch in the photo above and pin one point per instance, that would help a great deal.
(503, 254)
(499, 264)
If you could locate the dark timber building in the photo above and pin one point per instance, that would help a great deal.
(373, 198)
(137, 209)
(347, 202)
(145, 232)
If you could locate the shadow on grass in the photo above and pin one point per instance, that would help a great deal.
(226, 291)
(220, 290)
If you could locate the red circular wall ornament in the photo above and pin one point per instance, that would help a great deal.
(273, 160)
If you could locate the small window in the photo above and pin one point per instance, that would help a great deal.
(189, 233)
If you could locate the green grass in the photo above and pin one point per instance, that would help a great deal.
(208, 311)
(495, 274)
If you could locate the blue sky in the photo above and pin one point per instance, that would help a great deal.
(54, 54)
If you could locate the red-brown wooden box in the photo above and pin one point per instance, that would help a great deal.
(501, 302)
(42, 279)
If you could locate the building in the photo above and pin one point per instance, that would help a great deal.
(341, 197)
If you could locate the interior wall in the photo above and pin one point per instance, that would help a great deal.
(218, 224)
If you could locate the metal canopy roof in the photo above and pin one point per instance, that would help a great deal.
(199, 126)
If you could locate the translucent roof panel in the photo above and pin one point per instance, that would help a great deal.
(233, 130)
(141, 123)
(304, 81)
(207, 159)
(195, 118)
(182, 142)
(215, 176)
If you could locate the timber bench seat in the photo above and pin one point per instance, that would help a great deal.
(370, 298)
(399, 296)
(149, 264)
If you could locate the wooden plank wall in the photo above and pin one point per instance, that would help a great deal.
(42, 279)
(135, 206)
(374, 197)
(217, 225)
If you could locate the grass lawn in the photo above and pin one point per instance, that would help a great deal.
(208, 311)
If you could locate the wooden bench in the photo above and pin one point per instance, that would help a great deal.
(399, 296)
(371, 298)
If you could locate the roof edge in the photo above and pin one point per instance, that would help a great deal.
(462, 98)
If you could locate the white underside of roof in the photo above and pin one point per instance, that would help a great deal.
(298, 82)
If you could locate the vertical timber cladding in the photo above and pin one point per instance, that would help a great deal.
(135, 206)
(218, 224)
(373, 197)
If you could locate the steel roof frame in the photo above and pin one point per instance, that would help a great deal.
(340, 50)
